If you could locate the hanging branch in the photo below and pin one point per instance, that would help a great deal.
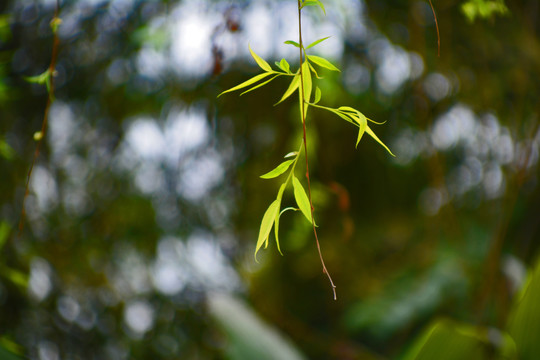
(303, 115)
(46, 78)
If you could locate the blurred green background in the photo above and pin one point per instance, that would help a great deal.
(145, 200)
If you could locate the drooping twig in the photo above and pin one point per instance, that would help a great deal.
(437, 27)
(303, 115)
(50, 99)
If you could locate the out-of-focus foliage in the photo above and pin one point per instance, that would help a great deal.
(146, 196)
(483, 8)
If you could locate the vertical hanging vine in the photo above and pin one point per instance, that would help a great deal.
(302, 81)
(47, 79)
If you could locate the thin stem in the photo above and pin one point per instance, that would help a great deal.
(50, 99)
(437, 27)
(303, 105)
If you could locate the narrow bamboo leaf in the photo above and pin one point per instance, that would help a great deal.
(322, 62)
(266, 225)
(307, 81)
(316, 42)
(372, 134)
(301, 198)
(342, 115)
(292, 87)
(261, 62)
(293, 43)
(378, 123)
(278, 214)
(259, 85)
(246, 83)
(315, 72)
(280, 169)
(321, 6)
(317, 95)
(285, 66)
(291, 154)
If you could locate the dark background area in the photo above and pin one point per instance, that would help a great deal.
(145, 201)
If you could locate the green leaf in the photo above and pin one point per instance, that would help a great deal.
(317, 42)
(278, 214)
(446, 340)
(315, 72)
(42, 78)
(293, 43)
(291, 154)
(306, 74)
(524, 320)
(247, 82)
(357, 116)
(259, 85)
(280, 169)
(285, 66)
(6, 151)
(4, 232)
(317, 95)
(313, 3)
(372, 134)
(322, 62)
(292, 87)
(262, 63)
(301, 198)
(266, 225)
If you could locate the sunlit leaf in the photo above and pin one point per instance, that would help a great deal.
(314, 71)
(246, 83)
(322, 62)
(301, 198)
(280, 169)
(317, 42)
(317, 95)
(293, 43)
(260, 61)
(278, 214)
(372, 134)
(313, 3)
(292, 87)
(306, 75)
(266, 225)
(291, 154)
(259, 85)
(285, 66)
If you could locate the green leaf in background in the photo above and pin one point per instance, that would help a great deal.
(246, 83)
(261, 62)
(322, 62)
(248, 336)
(266, 225)
(292, 87)
(301, 198)
(4, 232)
(6, 151)
(524, 320)
(9, 350)
(280, 169)
(483, 9)
(317, 42)
(446, 340)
